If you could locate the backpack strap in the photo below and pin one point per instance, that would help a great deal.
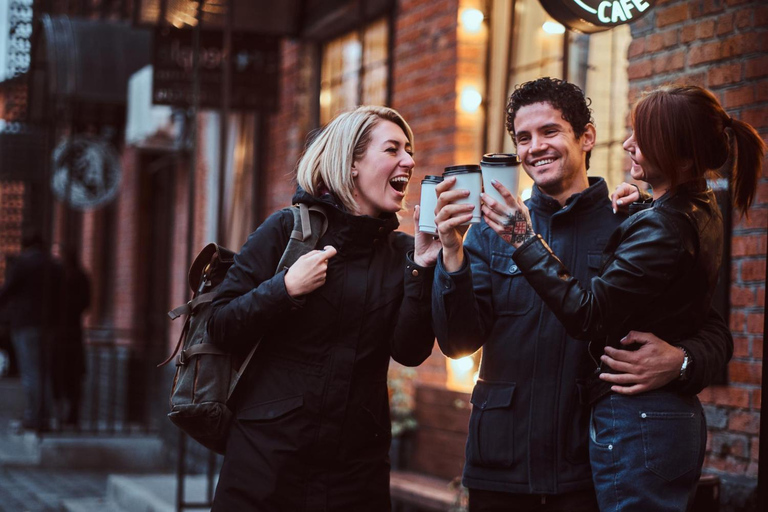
(309, 225)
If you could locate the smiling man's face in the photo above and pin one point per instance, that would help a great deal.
(552, 155)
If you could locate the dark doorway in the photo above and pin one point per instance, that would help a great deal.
(148, 393)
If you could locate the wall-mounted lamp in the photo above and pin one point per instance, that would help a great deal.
(470, 99)
(553, 27)
(462, 373)
(472, 20)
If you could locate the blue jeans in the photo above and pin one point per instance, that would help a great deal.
(31, 356)
(647, 451)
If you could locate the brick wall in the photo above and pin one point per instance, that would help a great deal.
(722, 45)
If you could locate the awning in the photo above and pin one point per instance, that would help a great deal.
(91, 61)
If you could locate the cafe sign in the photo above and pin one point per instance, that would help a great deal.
(590, 16)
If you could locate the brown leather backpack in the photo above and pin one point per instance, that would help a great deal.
(206, 375)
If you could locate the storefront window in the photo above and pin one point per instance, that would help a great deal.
(597, 63)
(355, 70)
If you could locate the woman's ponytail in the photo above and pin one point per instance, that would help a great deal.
(750, 150)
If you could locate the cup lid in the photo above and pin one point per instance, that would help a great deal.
(431, 178)
(500, 159)
(461, 169)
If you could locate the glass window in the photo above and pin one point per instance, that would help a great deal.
(355, 70)
(597, 63)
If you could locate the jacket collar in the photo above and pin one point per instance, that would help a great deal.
(346, 228)
(593, 196)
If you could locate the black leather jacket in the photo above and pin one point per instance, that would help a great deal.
(658, 274)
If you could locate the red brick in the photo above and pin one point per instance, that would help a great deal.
(705, 29)
(761, 16)
(753, 270)
(654, 42)
(745, 373)
(669, 62)
(670, 15)
(748, 245)
(758, 118)
(754, 448)
(739, 96)
(761, 91)
(705, 7)
(755, 323)
(724, 74)
(737, 2)
(757, 348)
(748, 422)
(758, 219)
(744, 18)
(742, 296)
(741, 347)
(741, 44)
(687, 33)
(702, 53)
(640, 69)
(725, 24)
(730, 396)
(636, 48)
(760, 293)
(737, 321)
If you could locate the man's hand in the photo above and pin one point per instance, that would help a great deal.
(448, 218)
(655, 364)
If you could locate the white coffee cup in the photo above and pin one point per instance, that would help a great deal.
(428, 204)
(468, 177)
(502, 167)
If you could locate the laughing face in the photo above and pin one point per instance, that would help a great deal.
(551, 154)
(643, 170)
(383, 172)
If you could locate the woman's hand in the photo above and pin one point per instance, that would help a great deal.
(511, 221)
(309, 271)
(623, 196)
(450, 218)
(427, 246)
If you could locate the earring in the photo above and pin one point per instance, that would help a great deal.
(354, 174)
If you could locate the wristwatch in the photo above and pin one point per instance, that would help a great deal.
(685, 368)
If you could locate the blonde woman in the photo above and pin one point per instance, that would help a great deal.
(312, 426)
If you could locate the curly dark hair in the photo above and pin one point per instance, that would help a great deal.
(564, 96)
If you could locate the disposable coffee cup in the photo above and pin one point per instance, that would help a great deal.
(468, 177)
(504, 168)
(428, 204)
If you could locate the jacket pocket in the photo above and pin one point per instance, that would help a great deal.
(512, 295)
(671, 441)
(491, 435)
(271, 410)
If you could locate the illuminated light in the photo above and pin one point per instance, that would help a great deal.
(471, 99)
(463, 365)
(472, 20)
(526, 194)
(553, 27)
(325, 98)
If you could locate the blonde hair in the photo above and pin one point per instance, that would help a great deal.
(327, 162)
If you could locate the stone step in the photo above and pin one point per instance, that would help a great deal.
(154, 493)
(90, 505)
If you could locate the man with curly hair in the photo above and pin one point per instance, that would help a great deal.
(529, 429)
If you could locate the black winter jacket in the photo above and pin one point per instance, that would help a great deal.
(312, 427)
(528, 430)
(658, 274)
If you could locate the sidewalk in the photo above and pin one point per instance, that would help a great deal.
(24, 486)
(81, 473)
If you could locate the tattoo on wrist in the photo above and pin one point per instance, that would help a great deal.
(517, 229)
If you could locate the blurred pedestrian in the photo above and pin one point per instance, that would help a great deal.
(312, 427)
(31, 292)
(68, 351)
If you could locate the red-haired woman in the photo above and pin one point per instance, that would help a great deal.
(658, 274)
